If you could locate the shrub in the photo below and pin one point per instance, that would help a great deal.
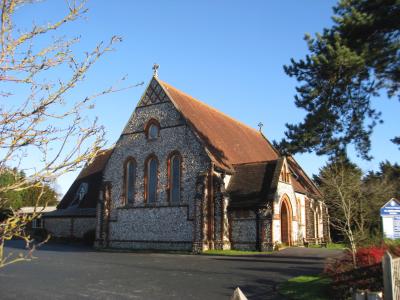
(346, 278)
(367, 275)
(277, 246)
(393, 246)
(365, 256)
(370, 255)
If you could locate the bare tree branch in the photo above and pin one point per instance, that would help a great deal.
(43, 132)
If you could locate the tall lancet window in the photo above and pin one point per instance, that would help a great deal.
(174, 172)
(151, 179)
(130, 180)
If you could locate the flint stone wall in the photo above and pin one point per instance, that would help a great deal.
(160, 223)
(152, 245)
(69, 227)
(58, 227)
(83, 225)
(152, 224)
(244, 232)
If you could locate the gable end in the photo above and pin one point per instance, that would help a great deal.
(154, 94)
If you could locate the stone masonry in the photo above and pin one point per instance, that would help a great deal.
(159, 224)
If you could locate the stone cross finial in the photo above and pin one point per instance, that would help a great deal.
(260, 125)
(155, 70)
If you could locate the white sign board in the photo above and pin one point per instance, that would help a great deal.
(390, 214)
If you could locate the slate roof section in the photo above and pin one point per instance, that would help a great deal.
(229, 141)
(72, 212)
(253, 184)
(92, 174)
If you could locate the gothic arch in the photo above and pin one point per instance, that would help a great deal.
(129, 178)
(151, 179)
(152, 122)
(174, 186)
(286, 218)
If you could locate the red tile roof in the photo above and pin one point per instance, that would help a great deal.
(228, 140)
(297, 186)
(97, 165)
(303, 183)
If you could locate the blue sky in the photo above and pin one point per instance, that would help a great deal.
(229, 54)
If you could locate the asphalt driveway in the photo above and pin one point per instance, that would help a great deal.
(78, 272)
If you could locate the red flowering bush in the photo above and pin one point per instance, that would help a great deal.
(367, 275)
(370, 255)
(338, 265)
(365, 256)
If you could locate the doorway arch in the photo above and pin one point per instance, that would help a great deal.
(286, 221)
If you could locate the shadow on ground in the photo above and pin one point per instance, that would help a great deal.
(73, 271)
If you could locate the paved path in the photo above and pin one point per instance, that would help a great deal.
(77, 272)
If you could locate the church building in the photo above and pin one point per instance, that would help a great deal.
(185, 176)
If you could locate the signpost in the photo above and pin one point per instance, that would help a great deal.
(390, 214)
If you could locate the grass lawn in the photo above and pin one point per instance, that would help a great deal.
(233, 252)
(306, 287)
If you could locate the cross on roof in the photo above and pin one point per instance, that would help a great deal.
(260, 125)
(155, 70)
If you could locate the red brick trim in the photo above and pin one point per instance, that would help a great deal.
(285, 199)
(276, 217)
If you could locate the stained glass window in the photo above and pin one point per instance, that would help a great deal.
(152, 170)
(175, 180)
(130, 178)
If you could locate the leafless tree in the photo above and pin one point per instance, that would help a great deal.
(42, 131)
(340, 182)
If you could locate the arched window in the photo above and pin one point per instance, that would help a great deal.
(130, 179)
(153, 132)
(80, 194)
(152, 129)
(151, 179)
(174, 172)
